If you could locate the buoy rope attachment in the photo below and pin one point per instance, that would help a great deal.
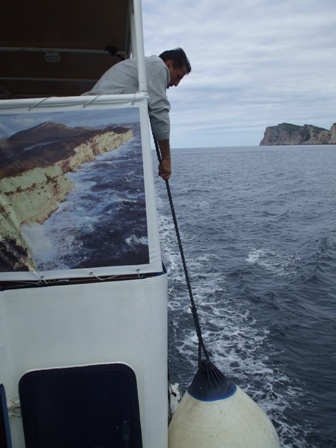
(201, 345)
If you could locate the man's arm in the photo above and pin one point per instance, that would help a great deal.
(165, 165)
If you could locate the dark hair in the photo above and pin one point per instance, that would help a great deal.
(178, 57)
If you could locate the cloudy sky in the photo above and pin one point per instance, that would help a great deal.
(255, 63)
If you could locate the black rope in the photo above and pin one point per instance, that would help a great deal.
(201, 345)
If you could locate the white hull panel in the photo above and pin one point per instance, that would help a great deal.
(105, 322)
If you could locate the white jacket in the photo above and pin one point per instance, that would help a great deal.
(123, 78)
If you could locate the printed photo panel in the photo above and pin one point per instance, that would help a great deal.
(76, 189)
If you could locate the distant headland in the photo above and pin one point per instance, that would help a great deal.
(291, 134)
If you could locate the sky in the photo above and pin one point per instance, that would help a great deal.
(255, 63)
(12, 123)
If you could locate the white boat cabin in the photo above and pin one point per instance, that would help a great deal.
(83, 292)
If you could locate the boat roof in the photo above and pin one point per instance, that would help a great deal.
(60, 48)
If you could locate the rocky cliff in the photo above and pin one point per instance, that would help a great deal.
(291, 134)
(33, 178)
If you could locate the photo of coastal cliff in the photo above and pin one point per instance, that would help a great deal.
(72, 191)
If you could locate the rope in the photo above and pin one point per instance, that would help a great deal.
(193, 308)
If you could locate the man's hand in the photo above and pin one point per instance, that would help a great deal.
(165, 169)
(165, 165)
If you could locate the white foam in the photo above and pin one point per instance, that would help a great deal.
(135, 241)
(280, 264)
(35, 237)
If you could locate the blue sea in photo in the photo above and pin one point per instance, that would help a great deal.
(102, 221)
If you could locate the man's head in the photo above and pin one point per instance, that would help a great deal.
(178, 64)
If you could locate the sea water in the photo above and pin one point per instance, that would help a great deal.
(258, 227)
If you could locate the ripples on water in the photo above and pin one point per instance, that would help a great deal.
(259, 232)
